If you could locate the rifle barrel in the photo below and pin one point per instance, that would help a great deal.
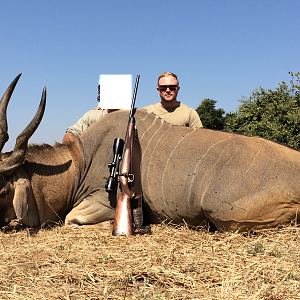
(134, 96)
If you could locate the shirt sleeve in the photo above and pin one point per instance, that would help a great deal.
(85, 121)
(195, 119)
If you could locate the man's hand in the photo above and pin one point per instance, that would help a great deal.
(68, 138)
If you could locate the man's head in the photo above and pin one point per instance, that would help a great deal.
(168, 87)
(115, 91)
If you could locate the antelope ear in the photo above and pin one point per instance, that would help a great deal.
(20, 201)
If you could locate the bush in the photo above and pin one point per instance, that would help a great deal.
(270, 114)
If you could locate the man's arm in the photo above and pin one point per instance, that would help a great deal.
(82, 124)
(195, 119)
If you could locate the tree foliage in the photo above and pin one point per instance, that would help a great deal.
(271, 114)
(211, 117)
(295, 86)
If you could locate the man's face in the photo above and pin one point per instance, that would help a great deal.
(169, 94)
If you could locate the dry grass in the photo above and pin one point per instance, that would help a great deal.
(176, 262)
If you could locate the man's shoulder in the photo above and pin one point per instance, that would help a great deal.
(96, 113)
(152, 107)
(185, 107)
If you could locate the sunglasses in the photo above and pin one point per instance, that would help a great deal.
(172, 87)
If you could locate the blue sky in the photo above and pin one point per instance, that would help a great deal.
(219, 49)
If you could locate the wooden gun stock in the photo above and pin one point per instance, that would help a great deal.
(123, 216)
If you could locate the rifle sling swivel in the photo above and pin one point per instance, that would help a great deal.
(129, 176)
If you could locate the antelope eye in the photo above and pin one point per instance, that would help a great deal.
(2, 177)
(4, 192)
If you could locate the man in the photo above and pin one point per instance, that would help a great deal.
(169, 109)
(107, 83)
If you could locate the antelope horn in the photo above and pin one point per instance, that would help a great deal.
(10, 164)
(3, 107)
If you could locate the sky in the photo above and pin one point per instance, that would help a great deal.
(222, 50)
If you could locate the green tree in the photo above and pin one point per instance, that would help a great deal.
(271, 114)
(211, 117)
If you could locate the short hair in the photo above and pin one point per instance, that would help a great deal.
(167, 74)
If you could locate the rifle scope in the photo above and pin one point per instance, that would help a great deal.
(118, 147)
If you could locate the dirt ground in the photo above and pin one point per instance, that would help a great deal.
(173, 262)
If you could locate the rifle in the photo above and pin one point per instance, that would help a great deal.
(123, 215)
